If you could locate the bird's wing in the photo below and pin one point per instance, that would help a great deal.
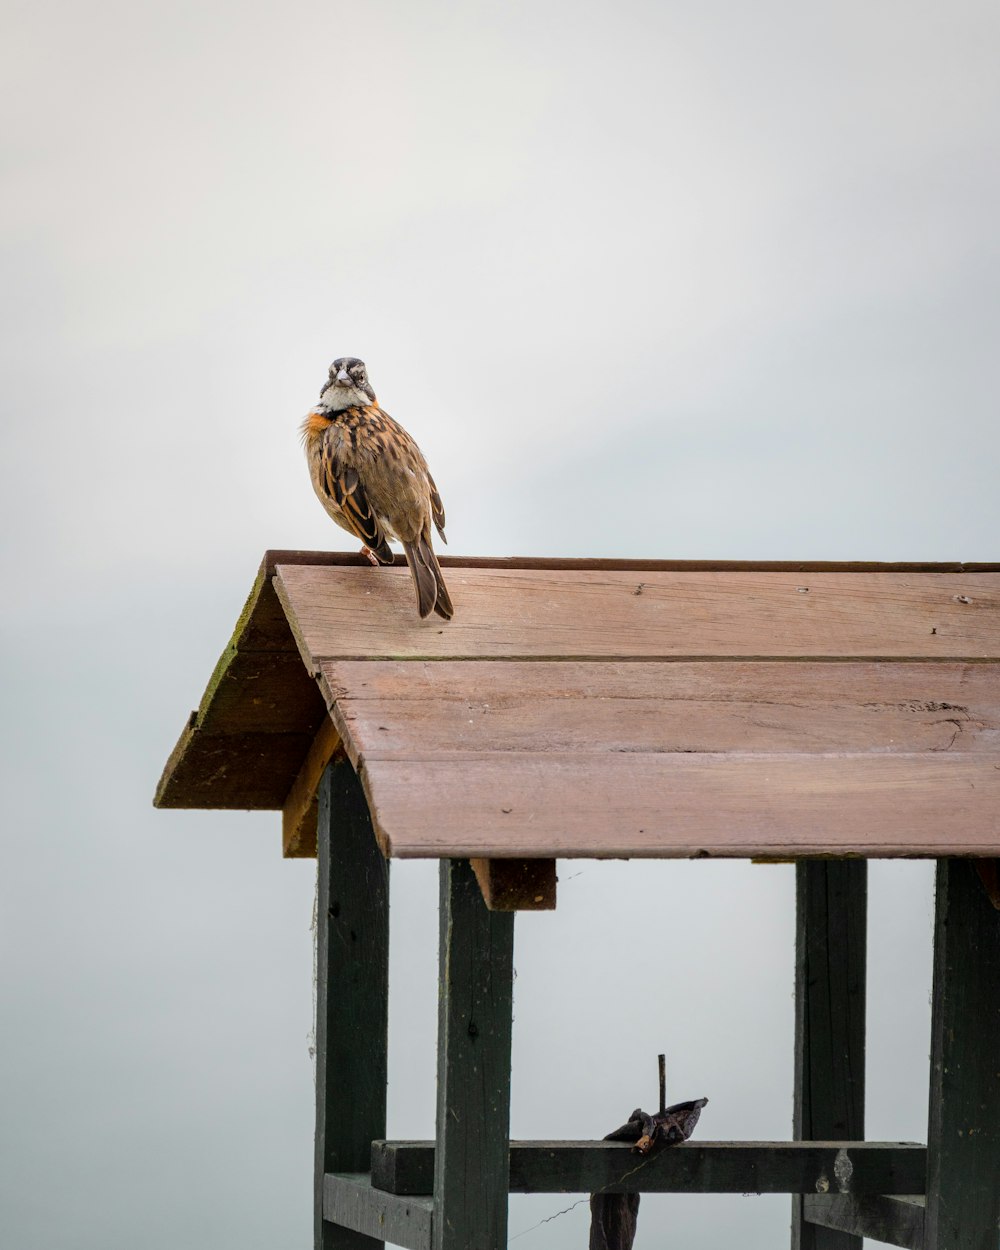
(397, 448)
(343, 486)
(437, 507)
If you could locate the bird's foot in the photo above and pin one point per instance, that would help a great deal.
(370, 555)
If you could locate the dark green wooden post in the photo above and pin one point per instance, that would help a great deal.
(830, 967)
(471, 1159)
(963, 1134)
(352, 992)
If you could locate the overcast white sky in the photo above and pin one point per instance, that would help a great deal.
(644, 279)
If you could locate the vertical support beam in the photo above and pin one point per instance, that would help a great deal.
(963, 1134)
(830, 968)
(472, 1155)
(352, 992)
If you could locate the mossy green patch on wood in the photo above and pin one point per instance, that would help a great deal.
(244, 745)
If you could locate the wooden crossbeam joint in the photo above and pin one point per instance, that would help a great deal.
(899, 1221)
(301, 809)
(517, 884)
(989, 875)
(350, 1202)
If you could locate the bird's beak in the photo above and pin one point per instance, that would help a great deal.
(343, 378)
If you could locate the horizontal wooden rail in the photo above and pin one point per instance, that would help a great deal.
(354, 1200)
(898, 1221)
(350, 1201)
(859, 1168)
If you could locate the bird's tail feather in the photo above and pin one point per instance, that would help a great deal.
(432, 594)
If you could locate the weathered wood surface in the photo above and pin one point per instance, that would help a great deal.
(828, 1087)
(352, 994)
(895, 1221)
(407, 1167)
(963, 1133)
(406, 710)
(525, 805)
(709, 694)
(300, 813)
(244, 745)
(741, 758)
(353, 559)
(242, 771)
(475, 990)
(350, 1201)
(535, 614)
(517, 884)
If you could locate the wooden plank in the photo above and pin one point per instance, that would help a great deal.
(354, 559)
(244, 745)
(352, 994)
(517, 884)
(300, 814)
(537, 614)
(407, 711)
(897, 1221)
(245, 772)
(350, 1201)
(963, 1135)
(829, 1077)
(260, 692)
(407, 1167)
(474, 1036)
(909, 689)
(512, 805)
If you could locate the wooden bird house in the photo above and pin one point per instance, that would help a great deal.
(821, 713)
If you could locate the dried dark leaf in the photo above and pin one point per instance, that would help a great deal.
(678, 1122)
(614, 1217)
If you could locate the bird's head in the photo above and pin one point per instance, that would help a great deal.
(347, 385)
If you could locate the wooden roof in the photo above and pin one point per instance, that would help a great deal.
(609, 708)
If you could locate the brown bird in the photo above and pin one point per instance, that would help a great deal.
(373, 480)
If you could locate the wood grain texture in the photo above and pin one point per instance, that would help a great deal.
(963, 1131)
(651, 658)
(353, 559)
(475, 992)
(339, 612)
(899, 683)
(731, 757)
(830, 974)
(350, 1202)
(352, 995)
(393, 710)
(242, 771)
(894, 1221)
(525, 805)
(580, 1167)
(300, 814)
(244, 745)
